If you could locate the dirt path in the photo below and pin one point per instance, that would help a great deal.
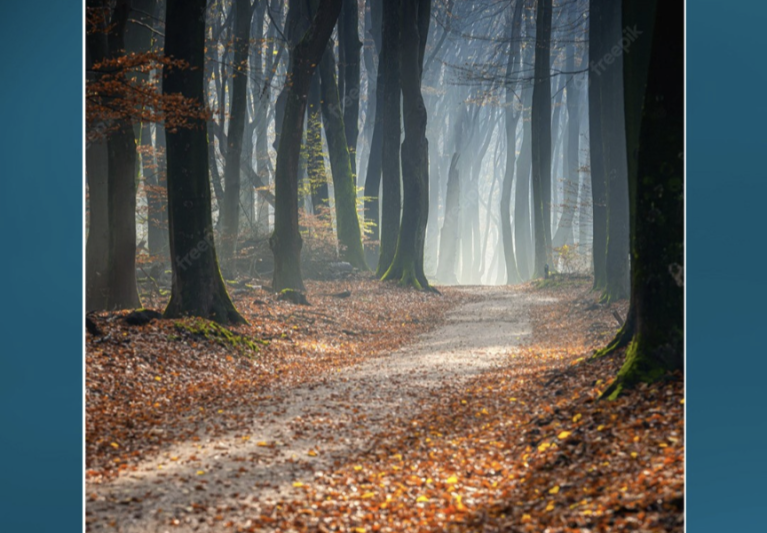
(299, 433)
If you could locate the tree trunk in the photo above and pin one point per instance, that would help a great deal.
(349, 69)
(344, 184)
(238, 110)
(598, 177)
(541, 137)
(523, 235)
(615, 164)
(658, 244)
(448, 238)
(198, 288)
(318, 178)
(391, 197)
(121, 190)
(407, 265)
(286, 242)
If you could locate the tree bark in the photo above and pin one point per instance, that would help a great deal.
(391, 194)
(238, 110)
(198, 288)
(121, 190)
(598, 176)
(407, 265)
(286, 241)
(658, 244)
(349, 69)
(344, 184)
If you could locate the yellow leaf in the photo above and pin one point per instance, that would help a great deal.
(368, 495)
(262, 443)
(513, 400)
(298, 484)
(422, 499)
(115, 445)
(554, 489)
(357, 468)
(200, 472)
(634, 454)
(550, 507)
(452, 480)
(563, 435)
(577, 417)
(359, 530)
(157, 378)
(543, 447)
(311, 453)
(600, 428)
(246, 437)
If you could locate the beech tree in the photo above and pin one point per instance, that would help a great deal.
(198, 288)
(286, 241)
(654, 109)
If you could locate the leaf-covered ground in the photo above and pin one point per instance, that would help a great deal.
(525, 446)
(156, 384)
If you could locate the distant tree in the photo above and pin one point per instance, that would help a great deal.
(286, 241)
(657, 191)
(198, 288)
(349, 46)
(230, 208)
(541, 138)
(512, 114)
(448, 238)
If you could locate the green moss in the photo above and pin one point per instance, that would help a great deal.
(201, 329)
(639, 367)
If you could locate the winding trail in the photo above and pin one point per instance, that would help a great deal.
(300, 432)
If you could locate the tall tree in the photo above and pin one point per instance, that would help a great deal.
(230, 209)
(286, 241)
(407, 264)
(512, 114)
(344, 184)
(198, 288)
(541, 137)
(391, 194)
(121, 190)
(448, 238)
(349, 45)
(597, 48)
(657, 288)
(615, 164)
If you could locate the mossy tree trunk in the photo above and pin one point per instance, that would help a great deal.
(286, 241)
(541, 136)
(658, 243)
(198, 288)
(238, 110)
(407, 265)
(121, 191)
(344, 184)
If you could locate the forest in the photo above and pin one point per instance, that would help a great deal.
(384, 265)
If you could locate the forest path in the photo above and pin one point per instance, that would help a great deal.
(303, 431)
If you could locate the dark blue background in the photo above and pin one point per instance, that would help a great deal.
(41, 267)
(726, 280)
(41, 330)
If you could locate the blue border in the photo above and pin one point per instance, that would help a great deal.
(727, 285)
(41, 268)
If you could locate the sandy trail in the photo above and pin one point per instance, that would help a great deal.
(300, 432)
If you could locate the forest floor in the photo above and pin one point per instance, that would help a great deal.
(380, 409)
